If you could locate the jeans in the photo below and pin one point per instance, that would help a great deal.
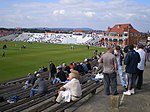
(122, 79)
(33, 92)
(148, 56)
(56, 80)
(131, 78)
(110, 80)
(139, 78)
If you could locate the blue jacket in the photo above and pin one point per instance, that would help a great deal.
(131, 61)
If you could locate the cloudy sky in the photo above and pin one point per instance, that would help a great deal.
(96, 14)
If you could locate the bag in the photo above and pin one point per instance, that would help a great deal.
(13, 99)
(1, 98)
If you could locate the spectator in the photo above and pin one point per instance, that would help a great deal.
(39, 87)
(95, 52)
(85, 67)
(88, 64)
(44, 69)
(131, 61)
(72, 90)
(61, 74)
(126, 49)
(94, 61)
(109, 64)
(71, 66)
(76, 73)
(52, 72)
(66, 68)
(40, 70)
(30, 81)
(141, 66)
(148, 51)
(119, 57)
(79, 68)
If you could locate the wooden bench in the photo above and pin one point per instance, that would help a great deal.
(88, 89)
(29, 102)
(49, 102)
(25, 99)
(22, 79)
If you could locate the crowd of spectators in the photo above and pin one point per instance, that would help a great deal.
(5, 32)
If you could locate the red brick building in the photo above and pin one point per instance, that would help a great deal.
(123, 34)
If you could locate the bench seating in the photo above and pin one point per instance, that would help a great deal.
(25, 102)
(88, 89)
(21, 80)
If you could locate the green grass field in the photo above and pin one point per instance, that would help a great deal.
(19, 62)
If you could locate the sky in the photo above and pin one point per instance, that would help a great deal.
(95, 14)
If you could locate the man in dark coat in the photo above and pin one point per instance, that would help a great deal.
(52, 72)
(131, 61)
(61, 74)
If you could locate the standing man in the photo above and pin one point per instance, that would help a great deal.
(52, 72)
(131, 61)
(141, 66)
(109, 64)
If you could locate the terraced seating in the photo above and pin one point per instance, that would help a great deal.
(87, 88)
(24, 97)
(20, 80)
(25, 102)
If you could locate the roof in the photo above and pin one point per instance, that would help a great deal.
(121, 28)
(78, 31)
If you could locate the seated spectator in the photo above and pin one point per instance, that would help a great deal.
(44, 69)
(70, 91)
(85, 67)
(71, 66)
(97, 73)
(61, 74)
(66, 68)
(76, 73)
(40, 86)
(79, 68)
(40, 70)
(30, 81)
(88, 64)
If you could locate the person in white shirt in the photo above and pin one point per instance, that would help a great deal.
(141, 66)
(73, 87)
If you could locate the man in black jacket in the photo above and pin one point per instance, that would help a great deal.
(131, 61)
(52, 72)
